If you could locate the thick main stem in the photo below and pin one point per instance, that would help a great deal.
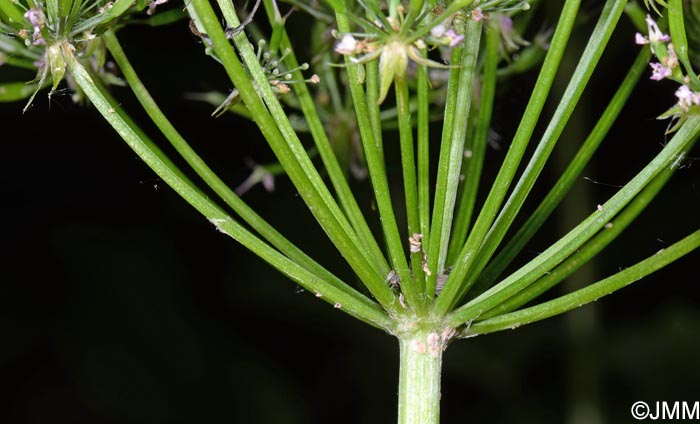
(419, 378)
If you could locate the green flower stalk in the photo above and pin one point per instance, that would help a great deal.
(440, 273)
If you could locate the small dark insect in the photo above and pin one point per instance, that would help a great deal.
(393, 280)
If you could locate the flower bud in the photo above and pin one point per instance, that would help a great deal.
(392, 63)
(56, 64)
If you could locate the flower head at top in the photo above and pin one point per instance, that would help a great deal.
(405, 34)
(402, 35)
(396, 39)
(39, 35)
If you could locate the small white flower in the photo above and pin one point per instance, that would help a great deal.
(347, 45)
(687, 97)
(438, 31)
(655, 35)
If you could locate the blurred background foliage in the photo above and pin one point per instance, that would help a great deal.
(120, 304)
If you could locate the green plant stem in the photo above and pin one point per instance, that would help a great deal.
(115, 10)
(423, 142)
(563, 185)
(351, 304)
(587, 294)
(473, 162)
(330, 161)
(329, 78)
(408, 160)
(271, 119)
(207, 175)
(411, 288)
(568, 244)
(676, 24)
(458, 103)
(420, 370)
(588, 251)
(375, 163)
(589, 60)
(278, 115)
(465, 260)
(64, 9)
(375, 115)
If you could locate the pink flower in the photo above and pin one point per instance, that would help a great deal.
(659, 71)
(454, 37)
(687, 97)
(35, 17)
(478, 15)
(655, 35)
(640, 39)
(446, 36)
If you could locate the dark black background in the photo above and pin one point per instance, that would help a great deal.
(120, 304)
